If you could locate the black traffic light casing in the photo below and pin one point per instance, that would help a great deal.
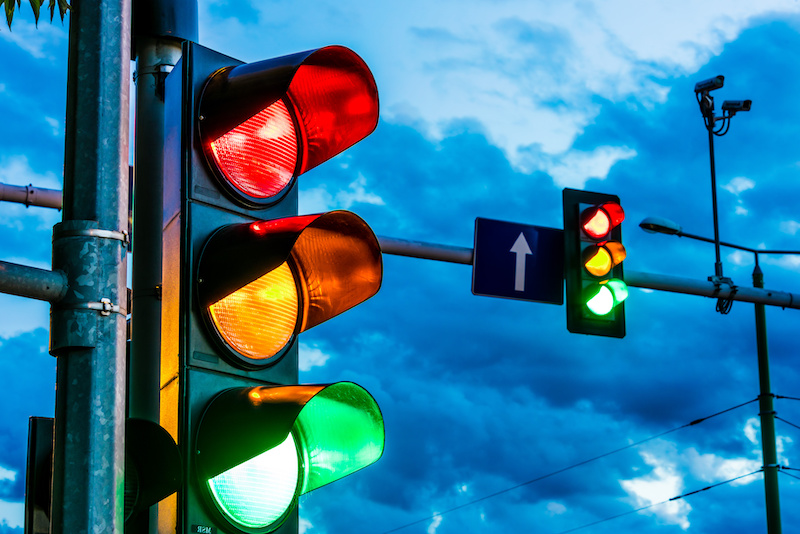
(218, 235)
(580, 283)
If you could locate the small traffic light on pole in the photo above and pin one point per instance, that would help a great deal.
(593, 255)
(244, 275)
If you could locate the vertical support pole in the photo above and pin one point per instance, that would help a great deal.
(718, 263)
(767, 414)
(88, 326)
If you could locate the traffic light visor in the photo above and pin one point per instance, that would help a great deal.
(262, 283)
(262, 124)
(259, 448)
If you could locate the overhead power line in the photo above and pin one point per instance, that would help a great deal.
(573, 466)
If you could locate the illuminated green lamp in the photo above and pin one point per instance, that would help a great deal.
(259, 448)
(603, 297)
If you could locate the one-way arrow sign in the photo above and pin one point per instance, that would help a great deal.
(518, 261)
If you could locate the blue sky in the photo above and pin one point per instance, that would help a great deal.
(489, 109)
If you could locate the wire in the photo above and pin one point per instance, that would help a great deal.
(787, 422)
(562, 470)
(662, 502)
(789, 474)
(790, 398)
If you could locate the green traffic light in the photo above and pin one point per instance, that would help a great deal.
(605, 296)
(258, 492)
(260, 448)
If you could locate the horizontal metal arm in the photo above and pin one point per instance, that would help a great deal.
(661, 282)
(32, 282)
(31, 196)
(427, 251)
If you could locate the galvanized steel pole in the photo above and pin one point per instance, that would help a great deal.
(88, 326)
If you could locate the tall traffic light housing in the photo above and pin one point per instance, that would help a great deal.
(244, 275)
(593, 255)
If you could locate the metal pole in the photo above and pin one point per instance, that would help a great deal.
(767, 414)
(718, 264)
(88, 326)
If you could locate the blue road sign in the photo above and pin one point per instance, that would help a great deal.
(518, 261)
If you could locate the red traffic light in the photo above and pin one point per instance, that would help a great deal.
(262, 124)
(598, 221)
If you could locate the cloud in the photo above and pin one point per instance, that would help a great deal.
(311, 356)
(556, 508)
(12, 514)
(575, 168)
(739, 184)
(319, 199)
(661, 484)
(434, 524)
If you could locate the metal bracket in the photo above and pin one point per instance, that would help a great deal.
(96, 232)
(105, 307)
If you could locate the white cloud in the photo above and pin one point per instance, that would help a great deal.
(575, 167)
(38, 42)
(739, 184)
(16, 170)
(7, 474)
(660, 485)
(556, 508)
(713, 468)
(311, 356)
(305, 525)
(529, 71)
(434, 524)
(12, 513)
(319, 199)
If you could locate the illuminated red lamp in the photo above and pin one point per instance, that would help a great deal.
(598, 221)
(263, 124)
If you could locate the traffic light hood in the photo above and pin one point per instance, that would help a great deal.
(262, 124)
(331, 431)
(331, 262)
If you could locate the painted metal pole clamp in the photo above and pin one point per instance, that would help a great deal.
(96, 232)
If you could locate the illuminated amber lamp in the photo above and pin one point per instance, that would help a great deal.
(263, 124)
(262, 283)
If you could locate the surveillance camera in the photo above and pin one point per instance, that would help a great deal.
(732, 106)
(709, 85)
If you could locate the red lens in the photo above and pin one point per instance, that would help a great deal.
(595, 223)
(259, 156)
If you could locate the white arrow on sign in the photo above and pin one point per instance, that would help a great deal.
(521, 249)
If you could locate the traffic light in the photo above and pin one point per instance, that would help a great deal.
(593, 255)
(244, 275)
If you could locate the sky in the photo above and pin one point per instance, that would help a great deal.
(489, 109)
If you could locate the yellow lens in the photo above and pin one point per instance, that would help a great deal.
(597, 261)
(259, 319)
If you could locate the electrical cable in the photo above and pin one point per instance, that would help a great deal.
(787, 422)
(662, 502)
(783, 470)
(562, 470)
(790, 398)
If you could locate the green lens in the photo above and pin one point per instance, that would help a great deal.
(258, 492)
(602, 302)
(340, 430)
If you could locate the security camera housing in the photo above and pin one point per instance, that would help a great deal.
(734, 106)
(709, 85)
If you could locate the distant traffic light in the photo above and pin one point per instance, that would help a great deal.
(593, 255)
(244, 275)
